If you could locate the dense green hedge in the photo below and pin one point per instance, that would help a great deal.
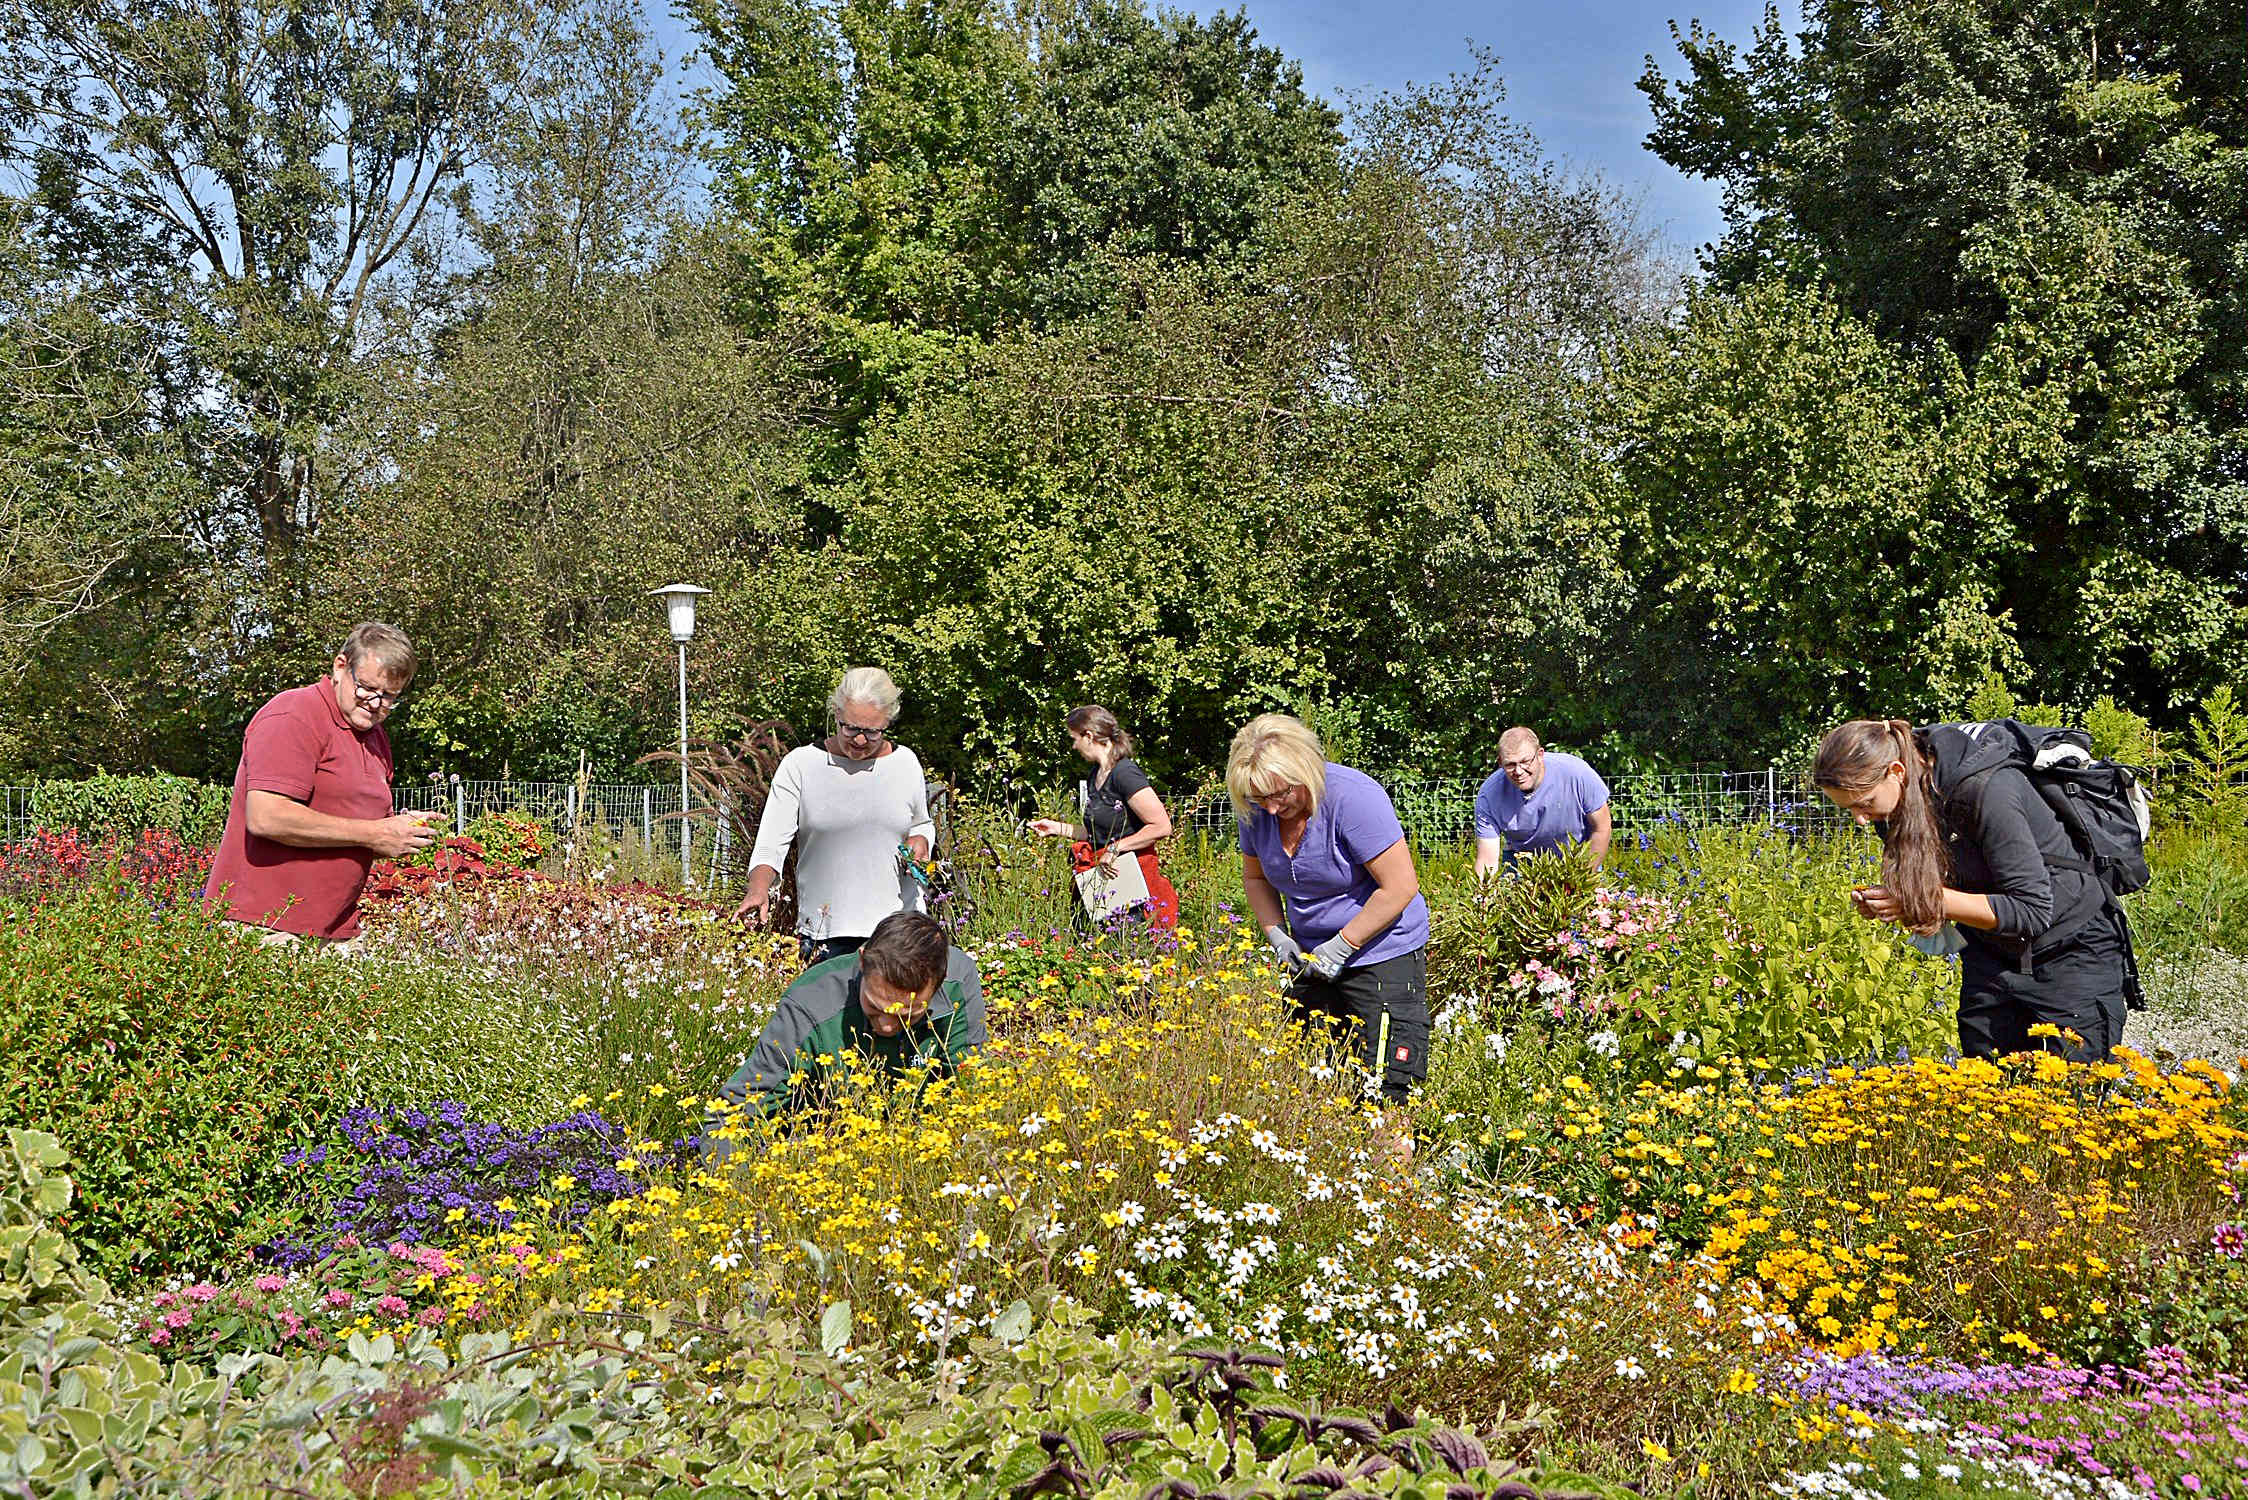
(122, 807)
(174, 1057)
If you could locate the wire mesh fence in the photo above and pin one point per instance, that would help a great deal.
(1437, 811)
(1434, 811)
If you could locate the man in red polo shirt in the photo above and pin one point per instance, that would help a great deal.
(311, 809)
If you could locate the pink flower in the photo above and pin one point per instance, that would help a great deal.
(202, 1291)
(269, 1283)
(160, 1337)
(391, 1306)
(179, 1317)
(337, 1297)
(431, 1316)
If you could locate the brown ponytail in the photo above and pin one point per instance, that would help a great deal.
(1852, 760)
(1098, 722)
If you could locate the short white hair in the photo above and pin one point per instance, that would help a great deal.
(869, 685)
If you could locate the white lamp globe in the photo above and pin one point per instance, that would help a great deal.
(679, 606)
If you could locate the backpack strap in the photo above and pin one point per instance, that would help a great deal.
(1967, 792)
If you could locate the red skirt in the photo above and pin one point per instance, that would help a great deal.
(1162, 906)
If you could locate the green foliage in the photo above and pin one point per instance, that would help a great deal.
(1484, 930)
(2210, 780)
(1995, 700)
(758, 1408)
(39, 1267)
(79, 534)
(1778, 966)
(122, 807)
(1711, 943)
(174, 1058)
(2121, 735)
(2197, 899)
(515, 840)
(2033, 198)
(918, 173)
(1812, 532)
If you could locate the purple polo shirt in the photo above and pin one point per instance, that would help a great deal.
(1325, 882)
(1559, 812)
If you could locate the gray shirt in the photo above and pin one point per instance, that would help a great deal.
(846, 819)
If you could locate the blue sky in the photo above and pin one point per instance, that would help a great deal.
(1569, 70)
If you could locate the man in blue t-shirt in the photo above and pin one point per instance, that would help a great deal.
(1537, 802)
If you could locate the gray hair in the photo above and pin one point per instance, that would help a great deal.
(869, 685)
(386, 645)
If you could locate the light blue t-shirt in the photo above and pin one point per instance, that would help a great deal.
(1325, 882)
(1559, 812)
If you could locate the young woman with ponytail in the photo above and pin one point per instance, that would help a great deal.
(1981, 850)
(1124, 815)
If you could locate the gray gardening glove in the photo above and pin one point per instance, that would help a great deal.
(1287, 950)
(1328, 958)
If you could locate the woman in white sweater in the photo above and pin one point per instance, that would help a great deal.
(846, 804)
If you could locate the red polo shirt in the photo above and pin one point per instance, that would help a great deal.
(302, 746)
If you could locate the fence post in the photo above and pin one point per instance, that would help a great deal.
(570, 806)
(460, 808)
(1771, 794)
(648, 817)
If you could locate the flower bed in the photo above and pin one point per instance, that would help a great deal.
(1708, 1276)
(413, 1175)
(156, 862)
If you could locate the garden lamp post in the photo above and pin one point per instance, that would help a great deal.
(679, 608)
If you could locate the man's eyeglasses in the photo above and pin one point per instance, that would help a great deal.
(372, 697)
(861, 732)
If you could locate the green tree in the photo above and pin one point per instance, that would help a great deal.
(1358, 479)
(592, 424)
(2048, 193)
(920, 173)
(287, 157)
(96, 492)
(260, 199)
(1811, 527)
(1165, 136)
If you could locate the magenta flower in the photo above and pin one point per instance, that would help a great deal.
(269, 1283)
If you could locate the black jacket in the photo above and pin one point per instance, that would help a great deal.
(2002, 841)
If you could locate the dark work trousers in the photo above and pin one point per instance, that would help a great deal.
(2078, 985)
(820, 950)
(1358, 1004)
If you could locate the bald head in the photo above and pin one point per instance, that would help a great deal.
(1522, 758)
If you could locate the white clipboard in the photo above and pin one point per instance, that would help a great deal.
(1106, 896)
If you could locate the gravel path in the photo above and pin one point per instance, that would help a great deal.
(2196, 1007)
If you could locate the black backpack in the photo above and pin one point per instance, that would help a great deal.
(2100, 803)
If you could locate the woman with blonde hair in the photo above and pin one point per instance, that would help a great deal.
(1332, 883)
(1124, 815)
(849, 806)
(1968, 845)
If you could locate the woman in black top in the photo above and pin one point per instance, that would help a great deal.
(1982, 851)
(1123, 814)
